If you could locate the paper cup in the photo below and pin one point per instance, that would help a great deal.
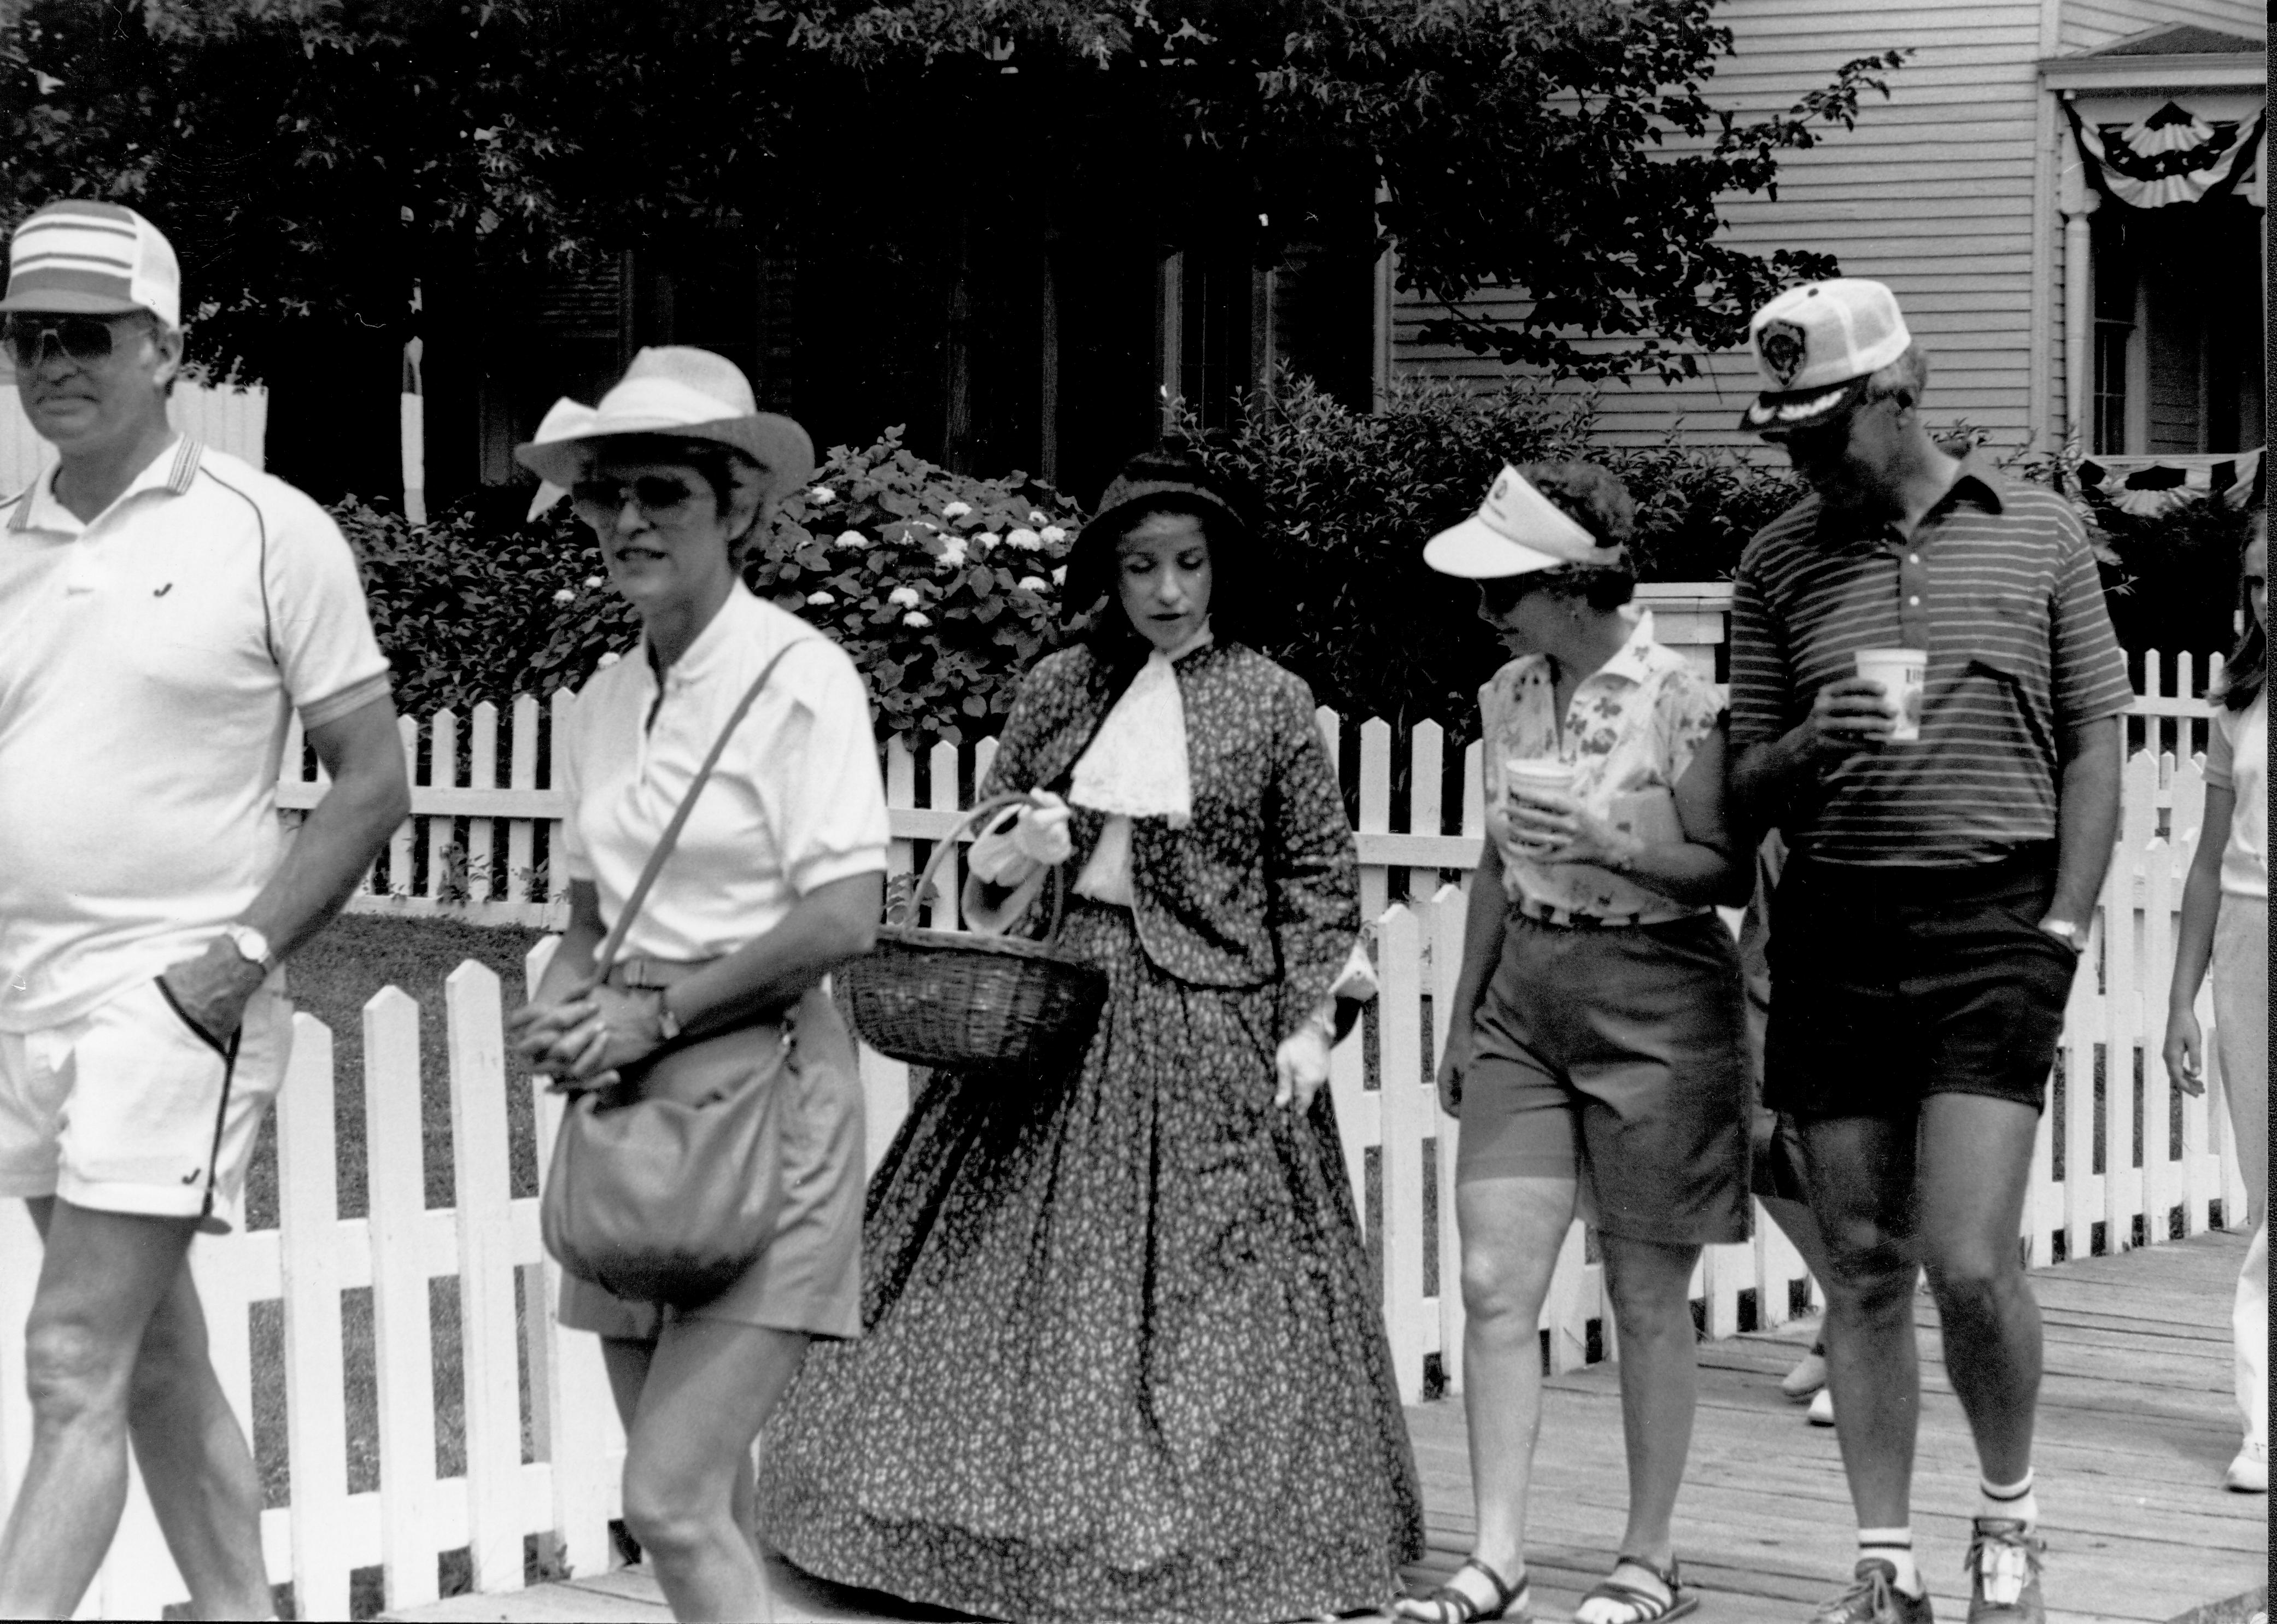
(1537, 772)
(1903, 674)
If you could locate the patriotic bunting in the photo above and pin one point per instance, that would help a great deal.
(2172, 156)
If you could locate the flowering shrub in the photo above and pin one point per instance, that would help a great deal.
(943, 587)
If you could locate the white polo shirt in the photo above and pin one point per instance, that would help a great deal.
(149, 663)
(794, 803)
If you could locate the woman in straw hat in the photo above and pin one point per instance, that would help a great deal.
(777, 876)
(1123, 1357)
(1596, 1049)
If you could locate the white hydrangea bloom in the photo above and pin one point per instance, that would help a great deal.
(596, 581)
(1059, 575)
(1053, 535)
(565, 596)
(956, 509)
(914, 619)
(610, 658)
(1025, 539)
(821, 597)
(1033, 583)
(852, 539)
(986, 539)
(952, 552)
(1038, 517)
(903, 597)
(822, 496)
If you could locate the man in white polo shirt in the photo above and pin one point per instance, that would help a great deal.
(164, 610)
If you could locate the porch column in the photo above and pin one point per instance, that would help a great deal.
(2077, 199)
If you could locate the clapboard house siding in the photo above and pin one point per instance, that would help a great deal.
(1932, 192)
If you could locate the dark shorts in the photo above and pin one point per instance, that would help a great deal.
(1892, 984)
(1617, 1056)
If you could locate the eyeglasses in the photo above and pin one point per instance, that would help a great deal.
(656, 495)
(79, 339)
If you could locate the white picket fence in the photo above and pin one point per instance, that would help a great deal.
(541, 1447)
(232, 419)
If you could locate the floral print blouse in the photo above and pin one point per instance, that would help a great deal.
(1631, 731)
(1263, 884)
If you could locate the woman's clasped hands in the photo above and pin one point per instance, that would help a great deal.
(1030, 837)
(584, 1041)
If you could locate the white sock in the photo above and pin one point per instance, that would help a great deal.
(1895, 1546)
(2015, 1500)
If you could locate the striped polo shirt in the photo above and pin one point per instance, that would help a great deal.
(1997, 584)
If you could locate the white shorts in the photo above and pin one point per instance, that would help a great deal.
(130, 1109)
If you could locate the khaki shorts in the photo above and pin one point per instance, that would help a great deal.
(130, 1109)
(1617, 1057)
(809, 1276)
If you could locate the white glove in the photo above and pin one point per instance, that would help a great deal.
(1036, 838)
(1041, 833)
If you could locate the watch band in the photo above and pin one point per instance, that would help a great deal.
(667, 1024)
(251, 945)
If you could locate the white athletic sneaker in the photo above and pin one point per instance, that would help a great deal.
(1808, 1376)
(1822, 1408)
(2249, 1473)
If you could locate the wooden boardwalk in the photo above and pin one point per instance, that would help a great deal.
(2136, 1424)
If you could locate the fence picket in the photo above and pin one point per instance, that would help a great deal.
(1447, 907)
(315, 1399)
(402, 1332)
(557, 723)
(398, 845)
(1405, 1115)
(486, 1263)
(1374, 808)
(481, 773)
(521, 774)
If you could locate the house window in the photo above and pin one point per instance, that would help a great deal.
(2178, 330)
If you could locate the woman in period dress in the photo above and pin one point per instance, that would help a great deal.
(1124, 1356)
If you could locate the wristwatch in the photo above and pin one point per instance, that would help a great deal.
(667, 1024)
(251, 945)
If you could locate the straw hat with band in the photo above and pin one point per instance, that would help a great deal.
(1817, 347)
(1518, 531)
(677, 392)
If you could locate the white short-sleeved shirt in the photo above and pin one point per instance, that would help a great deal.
(2237, 760)
(794, 803)
(1630, 731)
(149, 663)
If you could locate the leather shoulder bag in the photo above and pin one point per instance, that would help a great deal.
(657, 1200)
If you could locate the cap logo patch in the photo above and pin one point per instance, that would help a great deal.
(1784, 347)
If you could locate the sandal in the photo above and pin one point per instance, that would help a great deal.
(1449, 1605)
(1643, 1606)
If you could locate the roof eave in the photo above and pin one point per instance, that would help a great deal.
(2206, 70)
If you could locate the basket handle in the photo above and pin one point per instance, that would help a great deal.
(987, 809)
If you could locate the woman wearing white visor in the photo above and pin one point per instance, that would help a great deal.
(1596, 1047)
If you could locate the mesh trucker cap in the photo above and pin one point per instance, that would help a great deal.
(1816, 345)
(79, 258)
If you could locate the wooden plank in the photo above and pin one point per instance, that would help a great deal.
(442, 775)
(314, 1383)
(521, 776)
(402, 1334)
(1374, 812)
(1406, 1114)
(486, 1265)
(481, 773)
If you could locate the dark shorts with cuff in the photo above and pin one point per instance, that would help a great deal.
(1618, 1056)
(1891, 985)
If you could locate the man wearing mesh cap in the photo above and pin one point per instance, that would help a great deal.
(1942, 880)
(165, 610)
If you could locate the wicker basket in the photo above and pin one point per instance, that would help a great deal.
(956, 999)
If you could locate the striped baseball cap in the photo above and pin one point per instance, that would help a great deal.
(82, 258)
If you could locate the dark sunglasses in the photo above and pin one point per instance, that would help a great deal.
(77, 338)
(654, 494)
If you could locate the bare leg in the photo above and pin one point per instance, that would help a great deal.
(1975, 1161)
(1651, 1290)
(107, 1278)
(1861, 1172)
(1796, 1223)
(1511, 1229)
(709, 1386)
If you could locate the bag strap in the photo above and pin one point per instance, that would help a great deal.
(605, 957)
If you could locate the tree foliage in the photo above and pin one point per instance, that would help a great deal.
(318, 157)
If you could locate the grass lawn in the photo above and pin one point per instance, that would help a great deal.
(330, 978)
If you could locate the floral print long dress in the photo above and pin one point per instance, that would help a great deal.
(1124, 1356)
